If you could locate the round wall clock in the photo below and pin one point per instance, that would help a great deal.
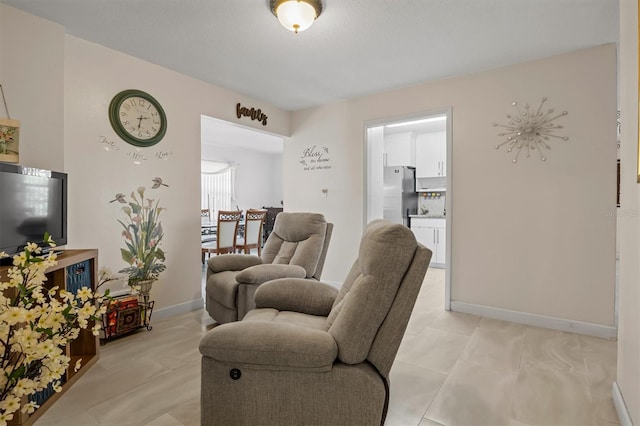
(137, 118)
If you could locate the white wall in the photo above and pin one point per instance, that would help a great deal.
(628, 374)
(63, 86)
(534, 237)
(32, 76)
(258, 175)
(93, 75)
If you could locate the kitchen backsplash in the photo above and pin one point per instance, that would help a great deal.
(432, 204)
(429, 184)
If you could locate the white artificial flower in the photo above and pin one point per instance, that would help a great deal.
(10, 404)
(30, 407)
(84, 294)
(5, 418)
(13, 315)
(33, 247)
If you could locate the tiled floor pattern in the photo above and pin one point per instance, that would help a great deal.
(451, 369)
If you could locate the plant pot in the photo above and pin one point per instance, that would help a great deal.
(145, 287)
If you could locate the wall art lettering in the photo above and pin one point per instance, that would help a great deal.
(164, 155)
(137, 156)
(315, 158)
(254, 114)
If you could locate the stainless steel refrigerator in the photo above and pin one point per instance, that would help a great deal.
(400, 197)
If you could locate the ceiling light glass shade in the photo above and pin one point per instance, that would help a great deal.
(296, 15)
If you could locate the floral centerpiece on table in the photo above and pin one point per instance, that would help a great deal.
(142, 232)
(36, 322)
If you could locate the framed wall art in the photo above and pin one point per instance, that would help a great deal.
(9, 140)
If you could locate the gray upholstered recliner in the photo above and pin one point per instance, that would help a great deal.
(296, 248)
(310, 354)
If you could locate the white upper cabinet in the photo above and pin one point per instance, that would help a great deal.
(431, 154)
(400, 149)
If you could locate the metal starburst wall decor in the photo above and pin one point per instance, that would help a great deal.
(530, 130)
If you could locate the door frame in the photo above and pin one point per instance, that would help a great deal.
(448, 112)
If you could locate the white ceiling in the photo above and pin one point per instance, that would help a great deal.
(355, 48)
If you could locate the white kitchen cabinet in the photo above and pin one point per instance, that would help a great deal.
(400, 149)
(432, 233)
(431, 154)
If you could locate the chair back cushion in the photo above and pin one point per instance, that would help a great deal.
(386, 252)
(227, 229)
(297, 239)
(253, 226)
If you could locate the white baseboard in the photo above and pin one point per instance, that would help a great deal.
(621, 407)
(562, 324)
(181, 308)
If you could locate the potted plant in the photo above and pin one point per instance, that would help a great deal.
(142, 232)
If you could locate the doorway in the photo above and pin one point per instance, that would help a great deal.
(241, 168)
(408, 179)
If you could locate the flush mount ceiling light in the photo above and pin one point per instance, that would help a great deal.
(296, 15)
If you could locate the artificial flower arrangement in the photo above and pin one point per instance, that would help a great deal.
(142, 232)
(36, 323)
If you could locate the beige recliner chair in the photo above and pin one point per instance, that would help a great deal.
(310, 354)
(296, 248)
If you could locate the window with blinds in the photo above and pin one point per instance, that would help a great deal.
(217, 186)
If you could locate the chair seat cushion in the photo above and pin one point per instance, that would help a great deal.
(275, 345)
(316, 322)
(259, 274)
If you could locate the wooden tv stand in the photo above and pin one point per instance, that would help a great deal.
(75, 268)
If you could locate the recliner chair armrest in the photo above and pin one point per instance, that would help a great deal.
(298, 295)
(232, 262)
(256, 344)
(259, 274)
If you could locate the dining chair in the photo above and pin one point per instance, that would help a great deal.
(226, 234)
(207, 233)
(253, 222)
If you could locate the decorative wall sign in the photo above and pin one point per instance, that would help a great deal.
(530, 130)
(254, 114)
(315, 158)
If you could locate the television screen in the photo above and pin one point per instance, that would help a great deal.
(32, 202)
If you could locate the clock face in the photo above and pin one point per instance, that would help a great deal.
(137, 118)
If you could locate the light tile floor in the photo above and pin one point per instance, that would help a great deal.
(451, 369)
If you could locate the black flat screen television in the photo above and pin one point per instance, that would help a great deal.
(32, 202)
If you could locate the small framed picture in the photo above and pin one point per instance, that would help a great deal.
(9, 140)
